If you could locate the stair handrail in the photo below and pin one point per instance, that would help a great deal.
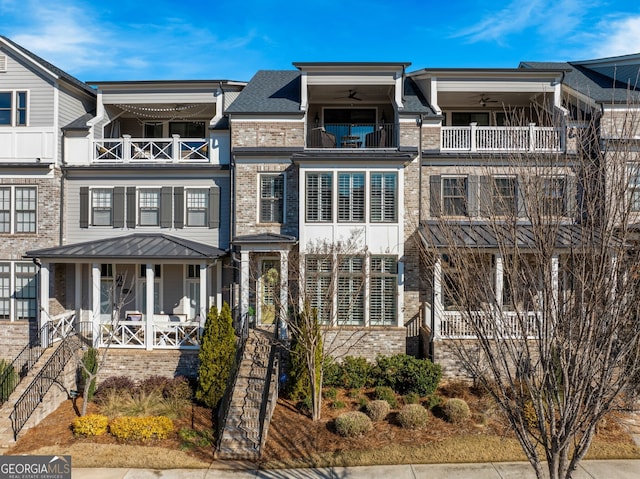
(265, 414)
(225, 402)
(42, 382)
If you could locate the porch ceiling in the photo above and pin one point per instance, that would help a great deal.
(141, 247)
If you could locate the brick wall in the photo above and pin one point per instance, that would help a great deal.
(264, 134)
(138, 364)
(368, 343)
(620, 124)
(14, 335)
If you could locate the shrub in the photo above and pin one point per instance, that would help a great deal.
(404, 374)
(9, 379)
(352, 424)
(216, 355)
(90, 425)
(121, 385)
(362, 402)
(411, 398)
(456, 410)
(385, 393)
(355, 393)
(153, 384)
(331, 373)
(355, 372)
(330, 393)
(530, 415)
(178, 388)
(413, 416)
(129, 428)
(90, 362)
(377, 410)
(304, 405)
(306, 334)
(190, 438)
(433, 400)
(337, 405)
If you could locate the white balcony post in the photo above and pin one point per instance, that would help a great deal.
(44, 297)
(472, 136)
(532, 136)
(95, 302)
(499, 280)
(126, 148)
(204, 287)
(150, 307)
(555, 287)
(219, 285)
(437, 307)
(284, 292)
(78, 291)
(175, 149)
(244, 285)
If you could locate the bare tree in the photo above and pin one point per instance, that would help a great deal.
(538, 295)
(119, 292)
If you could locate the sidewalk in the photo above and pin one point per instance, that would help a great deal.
(614, 469)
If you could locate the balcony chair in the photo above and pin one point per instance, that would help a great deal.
(376, 139)
(320, 138)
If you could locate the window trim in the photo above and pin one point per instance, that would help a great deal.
(633, 186)
(564, 197)
(92, 207)
(350, 201)
(189, 191)
(275, 202)
(14, 109)
(13, 211)
(140, 208)
(324, 193)
(465, 196)
(384, 197)
(502, 206)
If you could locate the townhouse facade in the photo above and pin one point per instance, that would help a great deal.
(312, 186)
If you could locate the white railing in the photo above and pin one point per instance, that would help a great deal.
(141, 150)
(474, 138)
(24, 144)
(508, 324)
(163, 334)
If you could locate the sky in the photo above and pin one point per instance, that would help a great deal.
(98, 40)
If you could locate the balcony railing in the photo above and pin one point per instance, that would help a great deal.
(508, 324)
(144, 150)
(475, 138)
(352, 136)
(157, 334)
(26, 144)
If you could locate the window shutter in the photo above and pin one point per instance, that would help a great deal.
(131, 207)
(84, 207)
(435, 195)
(485, 196)
(118, 207)
(178, 207)
(214, 207)
(473, 187)
(572, 193)
(520, 200)
(165, 207)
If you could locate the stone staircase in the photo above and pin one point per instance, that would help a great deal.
(6, 429)
(241, 435)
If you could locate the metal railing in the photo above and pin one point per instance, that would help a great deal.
(269, 394)
(141, 150)
(502, 138)
(352, 135)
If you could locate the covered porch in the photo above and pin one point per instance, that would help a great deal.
(145, 291)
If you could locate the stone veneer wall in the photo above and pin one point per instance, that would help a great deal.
(368, 342)
(265, 134)
(620, 124)
(14, 336)
(139, 364)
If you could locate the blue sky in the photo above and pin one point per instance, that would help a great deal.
(195, 39)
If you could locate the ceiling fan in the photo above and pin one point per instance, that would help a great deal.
(484, 99)
(351, 96)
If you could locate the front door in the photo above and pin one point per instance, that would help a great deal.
(268, 290)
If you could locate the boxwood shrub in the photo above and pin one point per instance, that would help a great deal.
(407, 374)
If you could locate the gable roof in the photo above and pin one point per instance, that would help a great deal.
(48, 66)
(269, 91)
(135, 246)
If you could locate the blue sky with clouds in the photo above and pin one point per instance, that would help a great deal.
(196, 39)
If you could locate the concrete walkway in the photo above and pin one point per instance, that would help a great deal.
(618, 469)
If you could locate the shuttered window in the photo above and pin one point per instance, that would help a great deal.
(351, 197)
(101, 207)
(351, 290)
(383, 291)
(319, 204)
(504, 196)
(454, 196)
(633, 188)
(271, 198)
(149, 207)
(384, 197)
(197, 202)
(553, 196)
(318, 285)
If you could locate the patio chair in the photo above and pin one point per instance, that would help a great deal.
(320, 138)
(376, 139)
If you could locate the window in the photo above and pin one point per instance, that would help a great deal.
(318, 278)
(197, 201)
(157, 271)
(18, 209)
(504, 197)
(149, 207)
(454, 196)
(13, 108)
(271, 198)
(553, 194)
(383, 291)
(633, 189)
(5, 291)
(153, 130)
(351, 207)
(319, 197)
(102, 207)
(462, 118)
(187, 129)
(26, 291)
(384, 197)
(351, 290)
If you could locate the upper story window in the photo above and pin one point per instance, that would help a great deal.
(149, 207)
(384, 197)
(271, 198)
(504, 196)
(197, 207)
(553, 196)
(454, 196)
(13, 108)
(102, 207)
(351, 197)
(633, 186)
(463, 118)
(18, 209)
(319, 204)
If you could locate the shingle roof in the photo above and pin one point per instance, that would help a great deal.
(269, 91)
(601, 88)
(414, 101)
(134, 246)
(70, 79)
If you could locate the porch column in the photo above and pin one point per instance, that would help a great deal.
(78, 292)
(44, 299)
(437, 308)
(95, 302)
(284, 290)
(554, 285)
(219, 285)
(499, 280)
(150, 284)
(244, 285)
(204, 290)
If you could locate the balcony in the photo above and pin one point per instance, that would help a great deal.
(27, 144)
(352, 136)
(156, 150)
(529, 138)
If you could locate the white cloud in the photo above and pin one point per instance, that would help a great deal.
(618, 37)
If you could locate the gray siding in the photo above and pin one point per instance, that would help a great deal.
(216, 237)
